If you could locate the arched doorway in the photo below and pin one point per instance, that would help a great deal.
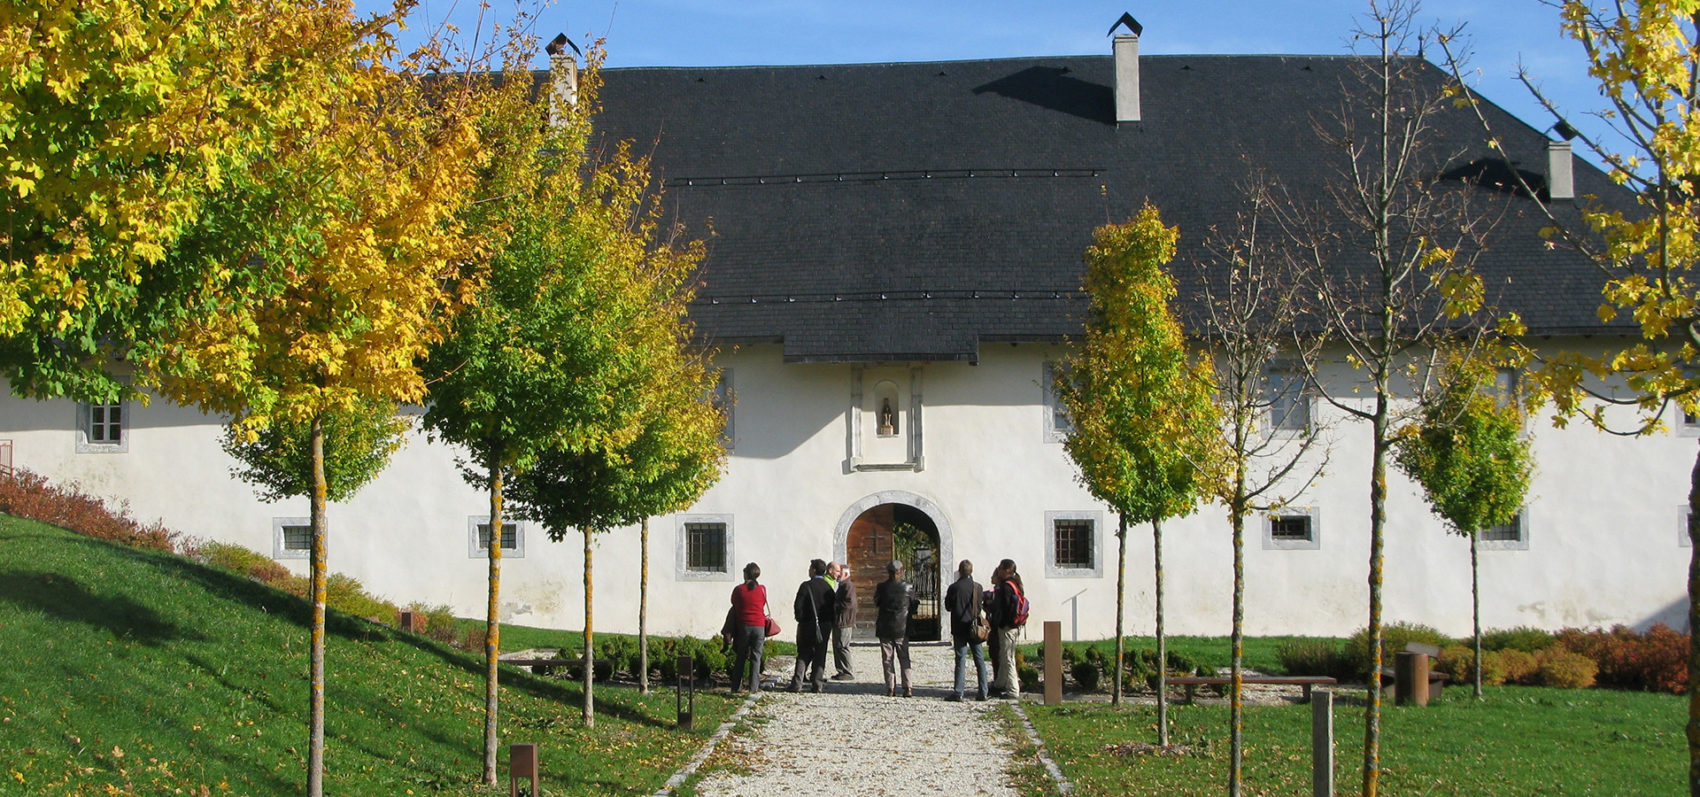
(897, 526)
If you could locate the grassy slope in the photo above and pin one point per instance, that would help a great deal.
(1521, 740)
(149, 673)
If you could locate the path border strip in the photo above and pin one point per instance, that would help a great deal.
(1063, 785)
(690, 767)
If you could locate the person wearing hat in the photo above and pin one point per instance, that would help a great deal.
(895, 599)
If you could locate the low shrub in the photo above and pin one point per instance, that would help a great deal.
(345, 594)
(1524, 638)
(239, 560)
(1030, 681)
(27, 494)
(1086, 675)
(1654, 661)
(1394, 638)
(621, 653)
(1562, 669)
(1519, 667)
(439, 620)
(1458, 662)
(1314, 657)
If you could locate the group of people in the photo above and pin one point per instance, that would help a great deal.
(825, 613)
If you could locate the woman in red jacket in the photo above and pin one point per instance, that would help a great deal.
(749, 607)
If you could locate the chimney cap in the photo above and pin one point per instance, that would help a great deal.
(1564, 130)
(554, 46)
(1132, 24)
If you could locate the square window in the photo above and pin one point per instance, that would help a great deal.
(101, 428)
(1513, 536)
(1073, 547)
(292, 538)
(705, 548)
(1292, 529)
(478, 538)
(1058, 423)
(1073, 543)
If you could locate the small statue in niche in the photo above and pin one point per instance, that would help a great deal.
(888, 419)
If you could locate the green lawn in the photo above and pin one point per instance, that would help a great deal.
(133, 672)
(1521, 740)
(1212, 651)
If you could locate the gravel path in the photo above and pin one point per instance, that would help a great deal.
(852, 739)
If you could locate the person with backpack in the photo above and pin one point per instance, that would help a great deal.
(1008, 615)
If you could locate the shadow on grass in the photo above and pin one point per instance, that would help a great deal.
(68, 600)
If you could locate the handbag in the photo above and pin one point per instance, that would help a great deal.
(981, 630)
(772, 625)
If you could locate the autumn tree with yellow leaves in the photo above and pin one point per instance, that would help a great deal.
(1645, 57)
(1144, 423)
(362, 258)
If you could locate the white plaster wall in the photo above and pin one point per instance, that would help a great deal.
(1604, 516)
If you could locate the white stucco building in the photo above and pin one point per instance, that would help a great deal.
(909, 236)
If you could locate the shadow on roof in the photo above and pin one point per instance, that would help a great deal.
(1055, 88)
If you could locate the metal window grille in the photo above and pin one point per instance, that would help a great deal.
(1508, 532)
(510, 536)
(106, 423)
(1290, 527)
(705, 547)
(297, 538)
(1074, 547)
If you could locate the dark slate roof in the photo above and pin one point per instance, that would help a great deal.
(908, 212)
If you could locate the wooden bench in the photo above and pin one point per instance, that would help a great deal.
(1436, 680)
(1192, 682)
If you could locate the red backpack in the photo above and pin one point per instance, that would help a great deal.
(1021, 606)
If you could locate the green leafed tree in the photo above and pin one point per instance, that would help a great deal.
(1469, 453)
(1144, 423)
(278, 459)
(518, 373)
(642, 436)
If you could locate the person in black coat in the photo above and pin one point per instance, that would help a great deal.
(964, 601)
(815, 610)
(846, 621)
(896, 601)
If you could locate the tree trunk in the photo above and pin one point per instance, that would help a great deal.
(1476, 612)
(1694, 630)
(316, 649)
(1121, 592)
(492, 619)
(1236, 647)
(1162, 644)
(1378, 514)
(589, 641)
(643, 608)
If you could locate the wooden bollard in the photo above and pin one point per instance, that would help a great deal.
(1053, 663)
(522, 765)
(1322, 743)
(1410, 679)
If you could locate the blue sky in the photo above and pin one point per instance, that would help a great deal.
(747, 32)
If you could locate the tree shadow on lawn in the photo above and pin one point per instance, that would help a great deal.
(534, 685)
(66, 599)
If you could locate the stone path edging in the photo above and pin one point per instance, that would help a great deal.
(1055, 771)
(690, 767)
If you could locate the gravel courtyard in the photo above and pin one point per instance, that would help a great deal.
(852, 739)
